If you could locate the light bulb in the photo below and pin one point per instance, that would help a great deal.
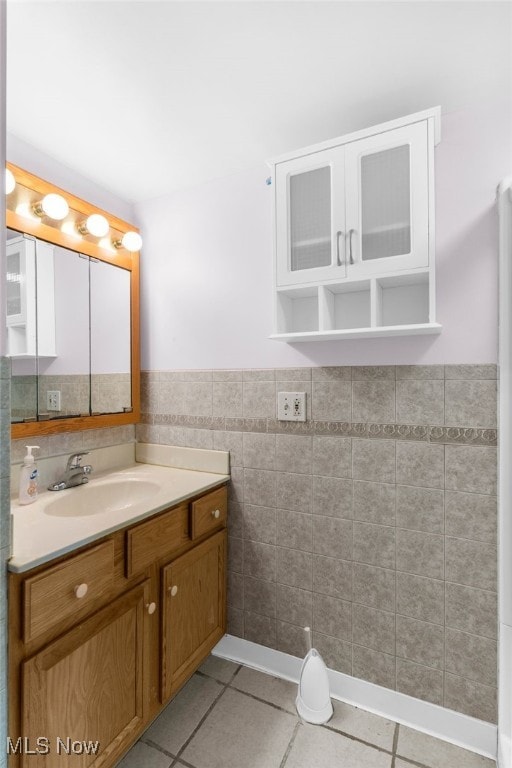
(54, 206)
(95, 225)
(10, 181)
(132, 241)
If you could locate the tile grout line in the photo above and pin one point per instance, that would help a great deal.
(262, 701)
(154, 745)
(351, 737)
(395, 744)
(290, 744)
(208, 711)
(325, 726)
(412, 762)
(181, 762)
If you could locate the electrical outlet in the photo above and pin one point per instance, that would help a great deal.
(53, 400)
(291, 406)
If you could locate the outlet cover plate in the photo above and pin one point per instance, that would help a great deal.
(53, 400)
(291, 406)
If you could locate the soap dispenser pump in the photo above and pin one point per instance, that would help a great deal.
(28, 477)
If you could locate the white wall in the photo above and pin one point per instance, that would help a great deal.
(72, 308)
(33, 160)
(207, 265)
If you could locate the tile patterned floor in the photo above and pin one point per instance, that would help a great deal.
(229, 716)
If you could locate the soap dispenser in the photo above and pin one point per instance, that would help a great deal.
(28, 477)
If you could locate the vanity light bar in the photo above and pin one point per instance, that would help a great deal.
(55, 207)
(10, 181)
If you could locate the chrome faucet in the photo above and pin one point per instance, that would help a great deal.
(75, 473)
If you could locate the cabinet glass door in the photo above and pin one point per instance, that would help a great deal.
(310, 218)
(387, 201)
(13, 287)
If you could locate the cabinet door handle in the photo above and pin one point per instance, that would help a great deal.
(338, 259)
(351, 256)
(173, 590)
(81, 590)
(151, 608)
(216, 513)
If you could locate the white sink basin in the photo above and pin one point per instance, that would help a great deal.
(59, 522)
(102, 497)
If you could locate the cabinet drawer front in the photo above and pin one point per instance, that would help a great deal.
(158, 537)
(71, 588)
(209, 512)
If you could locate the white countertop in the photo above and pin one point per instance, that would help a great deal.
(38, 537)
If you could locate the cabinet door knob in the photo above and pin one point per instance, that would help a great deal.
(151, 608)
(216, 513)
(173, 590)
(81, 590)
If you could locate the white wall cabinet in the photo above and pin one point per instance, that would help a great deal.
(30, 298)
(354, 234)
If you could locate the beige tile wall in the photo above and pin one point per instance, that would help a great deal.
(65, 443)
(108, 393)
(374, 522)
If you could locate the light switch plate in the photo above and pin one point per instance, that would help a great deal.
(291, 406)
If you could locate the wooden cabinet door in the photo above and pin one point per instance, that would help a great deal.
(88, 686)
(194, 613)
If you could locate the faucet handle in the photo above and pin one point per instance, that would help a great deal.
(75, 459)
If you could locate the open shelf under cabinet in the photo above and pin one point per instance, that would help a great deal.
(377, 307)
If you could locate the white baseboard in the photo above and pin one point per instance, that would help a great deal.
(459, 729)
(504, 752)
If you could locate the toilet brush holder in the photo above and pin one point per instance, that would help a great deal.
(314, 698)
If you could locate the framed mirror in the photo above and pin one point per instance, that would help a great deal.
(72, 313)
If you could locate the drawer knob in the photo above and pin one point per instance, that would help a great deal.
(81, 590)
(151, 607)
(173, 590)
(216, 513)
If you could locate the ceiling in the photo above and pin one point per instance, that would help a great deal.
(148, 97)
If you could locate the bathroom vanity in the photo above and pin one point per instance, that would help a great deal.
(105, 629)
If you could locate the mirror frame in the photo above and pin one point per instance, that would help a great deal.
(30, 188)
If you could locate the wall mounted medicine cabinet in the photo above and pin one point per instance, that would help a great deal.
(72, 315)
(354, 234)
